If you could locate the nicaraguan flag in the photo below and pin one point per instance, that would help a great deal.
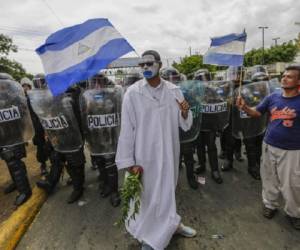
(226, 50)
(77, 53)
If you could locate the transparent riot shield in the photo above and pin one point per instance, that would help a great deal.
(58, 119)
(216, 105)
(244, 126)
(15, 122)
(274, 85)
(193, 94)
(101, 118)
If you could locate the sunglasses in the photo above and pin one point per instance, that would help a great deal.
(149, 64)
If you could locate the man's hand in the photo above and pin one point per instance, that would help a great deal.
(135, 169)
(184, 108)
(240, 103)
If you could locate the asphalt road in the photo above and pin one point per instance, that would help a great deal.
(231, 211)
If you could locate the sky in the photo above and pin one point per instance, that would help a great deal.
(172, 27)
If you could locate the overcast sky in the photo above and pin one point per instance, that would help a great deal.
(168, 26)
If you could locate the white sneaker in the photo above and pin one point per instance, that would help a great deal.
(146, 247)
(186, 231)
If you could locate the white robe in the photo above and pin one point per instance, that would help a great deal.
(149, 137)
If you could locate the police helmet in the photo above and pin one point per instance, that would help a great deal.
(202, 75)
(5, 76)
(131, 79)
(170, 74)
(26, 81)
(259, 76)
(234, 73)
(39, 81)
(100, 80)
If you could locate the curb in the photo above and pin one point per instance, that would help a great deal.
(12, 230)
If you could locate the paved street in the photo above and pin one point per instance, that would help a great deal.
(232, 210)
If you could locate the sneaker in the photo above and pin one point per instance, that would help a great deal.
(146, 247)
(268, 212)
(22, 198)
(227, 166)
(115, 199)
(217, 177)
(201, 169)
(75, 196)
(186, 231)
(43, 168)
(295, 222)
(238, 156)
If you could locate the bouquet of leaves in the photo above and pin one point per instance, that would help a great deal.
(131, 193)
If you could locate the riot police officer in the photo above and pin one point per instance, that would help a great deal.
(254, 144)
(39, 134)
(15, 130)
(207, 138)
(100, 111)
(187, 148)
(60, 118)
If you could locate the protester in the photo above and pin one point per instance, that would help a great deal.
(280, 171)
(153, 109)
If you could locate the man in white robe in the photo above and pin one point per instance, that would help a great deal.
(152, 112)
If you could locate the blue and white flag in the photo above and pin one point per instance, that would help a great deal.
(76, 53)
(226, 50)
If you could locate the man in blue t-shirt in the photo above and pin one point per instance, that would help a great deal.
(280, 171)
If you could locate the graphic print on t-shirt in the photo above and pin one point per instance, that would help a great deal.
(286, 114)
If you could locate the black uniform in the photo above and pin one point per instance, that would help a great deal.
(253, 150)
(104, 139)
(73, 161)
(42, 147)
(13, 155)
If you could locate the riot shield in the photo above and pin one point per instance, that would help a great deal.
(100, 112)
(15, 122)
(58, 119)
(244, 126)
(274, 85)
(193, 94)
(216, 105)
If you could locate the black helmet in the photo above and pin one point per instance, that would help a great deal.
(234, 73)
(170, 74)
(39, 81)
(202, 75)
(259, 76)
(100, 80)
(5, 76)
(131, 79)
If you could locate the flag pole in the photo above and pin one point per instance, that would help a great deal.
(242, 68)
(241, 79)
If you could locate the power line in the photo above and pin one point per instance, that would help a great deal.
(53, 12)
(22, 30)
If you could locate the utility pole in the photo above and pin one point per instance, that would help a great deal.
(190, 50)
(263, 42)
(275, 40)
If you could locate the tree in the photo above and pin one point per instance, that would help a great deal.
(285, 52)
(190, 64)
(11, 67)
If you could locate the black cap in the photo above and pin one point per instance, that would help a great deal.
(152, 53)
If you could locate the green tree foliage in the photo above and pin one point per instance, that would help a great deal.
(11, 67)
(285, 52)
(191, 64)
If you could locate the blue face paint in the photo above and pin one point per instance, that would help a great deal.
(148, 74)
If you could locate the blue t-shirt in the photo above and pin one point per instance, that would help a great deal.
(284, 126)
